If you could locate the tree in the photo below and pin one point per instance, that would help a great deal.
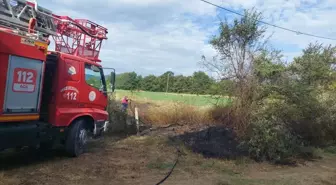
(181, 84)
(127, 81)
(167, 77)
(138, 83)
(149, 83)
(316, 65)
(201, 82)
(238, 46)
(198, 83)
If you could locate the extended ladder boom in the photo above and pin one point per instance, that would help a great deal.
(78, 37)
(17, 14)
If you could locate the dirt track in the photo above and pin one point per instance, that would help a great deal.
(146, 160)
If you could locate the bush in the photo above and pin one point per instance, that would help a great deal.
(291, 125)
(269, 137)
(269, 141)
(309, 117)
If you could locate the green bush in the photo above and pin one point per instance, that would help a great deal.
(268, 141)
(291, 125)
(269, 137)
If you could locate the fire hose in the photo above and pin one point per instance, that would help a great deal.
(176, 148)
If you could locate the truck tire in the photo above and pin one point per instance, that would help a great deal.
(76, 139)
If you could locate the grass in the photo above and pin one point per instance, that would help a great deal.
(190, 99)
(195, 169)
(147, 160)
(176, 113)
(170, 108)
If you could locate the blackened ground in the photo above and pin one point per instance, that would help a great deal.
(214, 142)
(210, 140)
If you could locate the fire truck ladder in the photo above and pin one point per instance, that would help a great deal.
(16, 14)
(79, 37)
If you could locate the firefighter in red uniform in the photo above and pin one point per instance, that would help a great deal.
(124, 103)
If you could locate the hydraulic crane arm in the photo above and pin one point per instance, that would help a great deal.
(78, 37)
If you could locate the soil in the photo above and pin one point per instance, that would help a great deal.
(147, 159)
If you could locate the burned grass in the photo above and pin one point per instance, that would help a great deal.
(147, 159)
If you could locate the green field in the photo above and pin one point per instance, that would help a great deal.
(195, 100)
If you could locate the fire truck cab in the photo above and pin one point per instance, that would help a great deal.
(50, 97)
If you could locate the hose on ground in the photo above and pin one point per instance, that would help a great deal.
(177, 151)
(172, 169)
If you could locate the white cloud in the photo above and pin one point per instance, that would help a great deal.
(152, 36)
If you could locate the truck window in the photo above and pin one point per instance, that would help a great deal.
(95, 77)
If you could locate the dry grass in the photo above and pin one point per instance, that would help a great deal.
(163, 113)
(146, 160)
(167, 113)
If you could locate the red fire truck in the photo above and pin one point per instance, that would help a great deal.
(50, 97)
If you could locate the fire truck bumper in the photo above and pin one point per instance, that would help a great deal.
(100, 127)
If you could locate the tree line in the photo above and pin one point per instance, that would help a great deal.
(198, 83)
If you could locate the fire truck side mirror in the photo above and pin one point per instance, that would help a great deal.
(112, 80)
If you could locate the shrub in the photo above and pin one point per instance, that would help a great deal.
(269, 141)
(309, 117)
(291, 125)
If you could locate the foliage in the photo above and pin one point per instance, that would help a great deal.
(201, 83)
(128, 81)
(198, 83)
(297, 107)
(316, 66)
(278, 109)
(270, 140)
(239, 45)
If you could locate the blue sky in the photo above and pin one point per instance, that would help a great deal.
(153, 36)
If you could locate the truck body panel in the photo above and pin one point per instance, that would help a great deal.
(21, 59)
(72, 96)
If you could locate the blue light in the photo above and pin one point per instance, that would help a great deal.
(13, 2)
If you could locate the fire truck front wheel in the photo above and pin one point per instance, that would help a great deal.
(77, 138)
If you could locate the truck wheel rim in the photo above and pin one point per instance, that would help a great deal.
(82, 137)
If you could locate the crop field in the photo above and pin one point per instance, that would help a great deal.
(190, 99)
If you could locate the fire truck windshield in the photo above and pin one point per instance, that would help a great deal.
(94, 76)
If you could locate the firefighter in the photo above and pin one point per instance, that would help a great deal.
(124, 103)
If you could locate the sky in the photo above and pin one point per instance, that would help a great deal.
(155, 36)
